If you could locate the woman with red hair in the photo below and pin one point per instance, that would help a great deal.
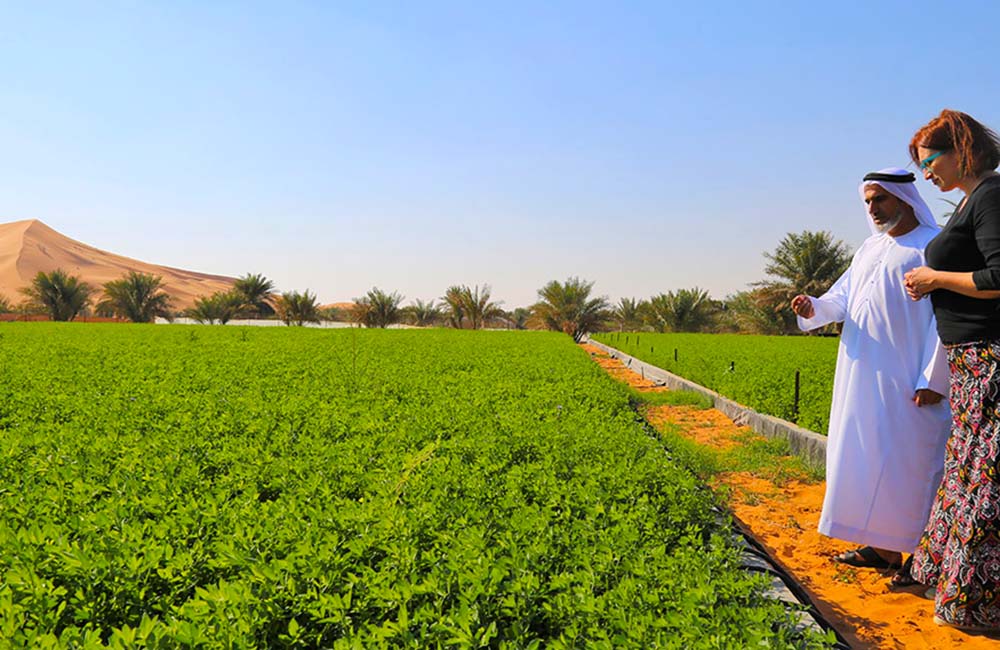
(959, 553)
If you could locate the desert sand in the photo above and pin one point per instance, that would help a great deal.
(27, 247)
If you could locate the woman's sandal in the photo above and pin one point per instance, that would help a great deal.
(865, 557)
(903, 578)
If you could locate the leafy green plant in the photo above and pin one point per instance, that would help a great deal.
(756, 371)
(197, 487)
(671, 397)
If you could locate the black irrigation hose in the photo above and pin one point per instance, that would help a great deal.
(755, 548)
(791, 583)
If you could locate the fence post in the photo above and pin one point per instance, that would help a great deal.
(795, 408)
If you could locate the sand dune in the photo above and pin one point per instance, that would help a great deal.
(27, 247)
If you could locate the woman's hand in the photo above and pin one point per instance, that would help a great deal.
(920, 281)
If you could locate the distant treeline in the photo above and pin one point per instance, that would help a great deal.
(806, 262)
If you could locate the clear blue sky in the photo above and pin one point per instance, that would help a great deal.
(334, 146)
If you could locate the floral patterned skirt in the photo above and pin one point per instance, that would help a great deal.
(959, 552)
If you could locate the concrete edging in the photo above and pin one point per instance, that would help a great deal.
(805, 443)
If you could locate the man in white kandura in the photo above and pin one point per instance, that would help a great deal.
(888, 423)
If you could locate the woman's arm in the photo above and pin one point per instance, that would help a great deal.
(922, 280)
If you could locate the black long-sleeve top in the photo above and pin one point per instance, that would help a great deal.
(970, 241)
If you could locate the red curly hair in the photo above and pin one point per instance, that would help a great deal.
(977, 147)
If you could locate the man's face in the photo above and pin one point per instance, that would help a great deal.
(884, 208)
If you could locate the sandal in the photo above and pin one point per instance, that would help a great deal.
(903, 577)
(865, 557)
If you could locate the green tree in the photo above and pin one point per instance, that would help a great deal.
(454, 311)
(136, 297)
(806, 262)
(567, 307)
(294, 308)
(361, 312)
(378, 308)
(256, 295)
(58, 294)
(519, 317)
(221, 307)
(470, 306)
(684, 310)
(477, 306)
(803, 263)
(628, 314)
(754, 312)
(422, 314)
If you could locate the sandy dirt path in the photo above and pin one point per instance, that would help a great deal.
(783, 517)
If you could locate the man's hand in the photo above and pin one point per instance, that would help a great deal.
(802, 306)
(926, 397)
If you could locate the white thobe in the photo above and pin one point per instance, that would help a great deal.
(884, 455)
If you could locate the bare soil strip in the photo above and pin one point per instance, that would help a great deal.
(783, 515)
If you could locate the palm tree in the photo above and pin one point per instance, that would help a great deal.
(378, 308)
(256, 294)
(685, 310)
(361, 312)
(221, 307)
(807, 262)
(804, 263)
(454, 300)
(477, 306)
(567, 307)
(136, 297)
(5, 305)
(294, 308)
(423, 314)
(60, 295)
(470, 306)
(753, 312)
(628, 314)
(518, 318)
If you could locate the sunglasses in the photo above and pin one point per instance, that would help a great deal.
(926, 162)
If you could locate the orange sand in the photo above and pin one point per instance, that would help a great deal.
(784, 518)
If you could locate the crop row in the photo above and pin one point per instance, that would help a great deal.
(165, 486)
(756, 371)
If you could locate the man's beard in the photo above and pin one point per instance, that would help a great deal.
(890, 224)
